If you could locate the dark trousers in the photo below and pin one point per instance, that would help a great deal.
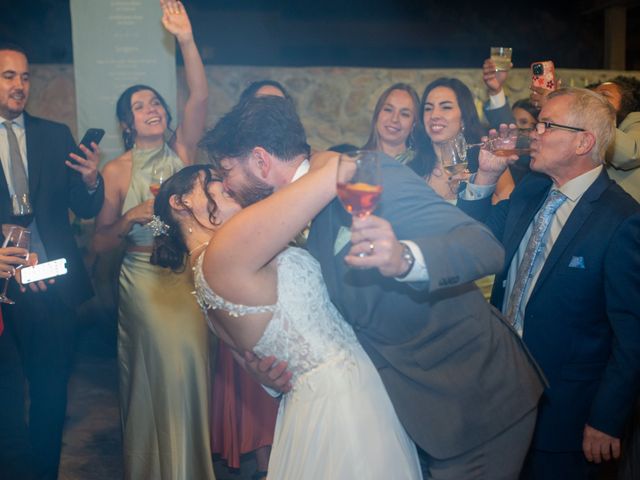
(499, 458)
(37, 347)
(542, 465)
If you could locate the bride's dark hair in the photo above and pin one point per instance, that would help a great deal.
(169, 250)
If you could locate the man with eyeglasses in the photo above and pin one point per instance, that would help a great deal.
(571, 283)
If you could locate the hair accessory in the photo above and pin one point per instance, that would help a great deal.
(158, 227)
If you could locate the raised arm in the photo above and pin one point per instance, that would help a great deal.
(190, 130)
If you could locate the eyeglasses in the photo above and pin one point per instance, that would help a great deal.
(542, 127)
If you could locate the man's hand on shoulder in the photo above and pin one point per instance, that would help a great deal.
(598, 446)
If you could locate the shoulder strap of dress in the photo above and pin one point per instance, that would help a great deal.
(211, 300)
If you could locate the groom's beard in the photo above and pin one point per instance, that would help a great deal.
(254, 191)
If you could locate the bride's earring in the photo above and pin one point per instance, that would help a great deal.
(190, 230)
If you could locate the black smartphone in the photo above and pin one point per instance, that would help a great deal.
(91, 135)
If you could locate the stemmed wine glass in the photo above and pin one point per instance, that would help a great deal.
(454, 155)
(160, 171)
(514, 142)
(359, 182)
(14, 236)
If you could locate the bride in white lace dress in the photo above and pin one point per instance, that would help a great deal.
(337, 422)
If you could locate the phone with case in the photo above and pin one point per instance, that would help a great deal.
(543, 75)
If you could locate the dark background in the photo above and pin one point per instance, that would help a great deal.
(366, 33)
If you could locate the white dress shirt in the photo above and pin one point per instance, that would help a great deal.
(497, 101)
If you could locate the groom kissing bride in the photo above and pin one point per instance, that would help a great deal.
(462, 383)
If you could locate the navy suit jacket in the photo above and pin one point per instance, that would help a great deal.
(54, 188)
(582, 320)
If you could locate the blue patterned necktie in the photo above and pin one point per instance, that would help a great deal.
(535, 245)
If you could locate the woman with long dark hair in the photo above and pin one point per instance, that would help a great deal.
(162, 340)
(448, 110)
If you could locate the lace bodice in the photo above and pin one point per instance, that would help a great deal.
(306, 329)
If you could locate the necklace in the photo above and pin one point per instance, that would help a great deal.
(204, 244)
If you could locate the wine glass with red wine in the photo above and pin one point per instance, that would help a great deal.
(359, 182)
(14, 236)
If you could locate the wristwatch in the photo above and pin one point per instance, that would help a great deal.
(408, 257)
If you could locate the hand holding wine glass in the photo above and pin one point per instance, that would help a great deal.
(498, 153)
(16, 240)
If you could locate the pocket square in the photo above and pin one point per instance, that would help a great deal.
(577, 262)
(343, 237)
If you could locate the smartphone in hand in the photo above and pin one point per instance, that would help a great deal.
(91, 135)
(42, 271)
(543, 75)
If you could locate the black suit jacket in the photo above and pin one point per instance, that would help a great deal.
(455, 372)
(582, 320)
(54, 188)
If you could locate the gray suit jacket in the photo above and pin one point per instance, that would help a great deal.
(456, 373)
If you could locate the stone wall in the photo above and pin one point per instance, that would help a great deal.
(335, 104)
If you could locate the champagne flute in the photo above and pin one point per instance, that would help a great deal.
(160, 171)
(359, 182)
(15, 236)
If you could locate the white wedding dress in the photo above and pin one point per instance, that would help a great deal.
(337, 422)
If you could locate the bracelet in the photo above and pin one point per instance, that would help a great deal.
(95, 186)
(408, 257)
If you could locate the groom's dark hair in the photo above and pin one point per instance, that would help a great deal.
(269, 122)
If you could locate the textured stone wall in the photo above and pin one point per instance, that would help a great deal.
(335, 104)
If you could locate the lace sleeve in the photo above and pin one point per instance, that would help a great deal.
(209, 300)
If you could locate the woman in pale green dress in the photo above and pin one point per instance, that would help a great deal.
(162, 338)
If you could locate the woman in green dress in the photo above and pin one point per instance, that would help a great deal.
(162, 338)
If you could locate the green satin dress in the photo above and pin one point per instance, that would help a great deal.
(162, 355)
